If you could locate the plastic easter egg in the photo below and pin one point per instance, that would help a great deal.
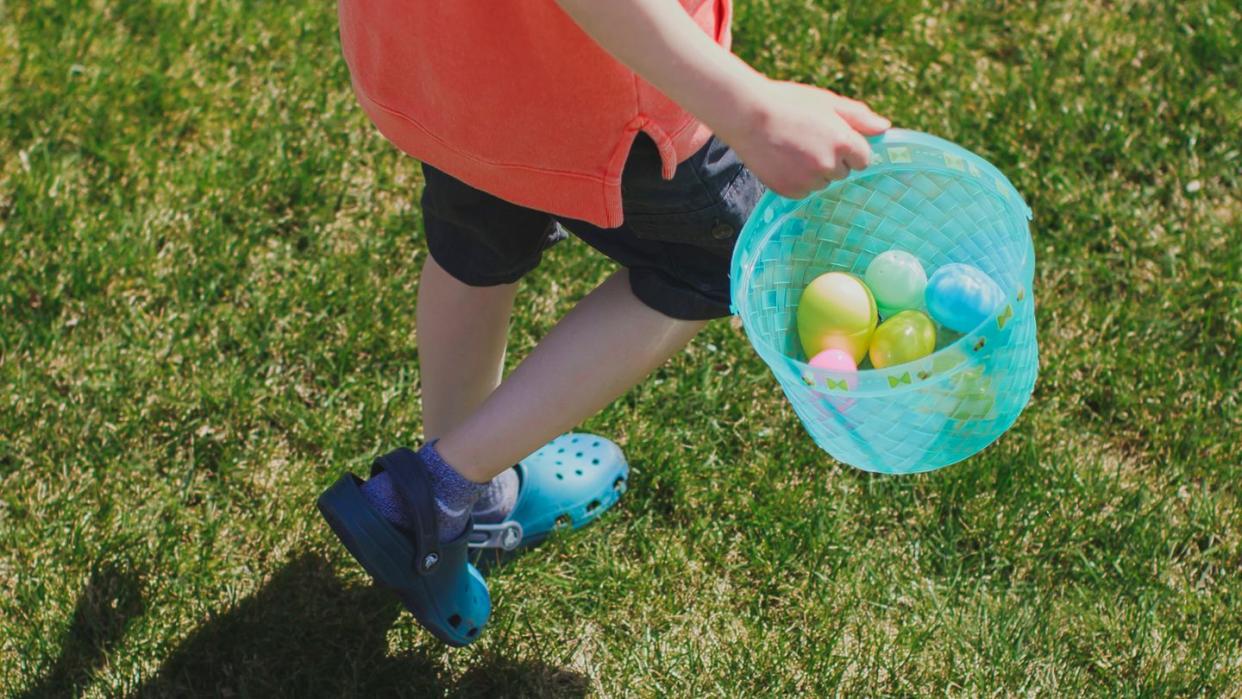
(960, 297)
(841, 362)
(905, 337)
(897, 280)
(834, 360)
(836, 311)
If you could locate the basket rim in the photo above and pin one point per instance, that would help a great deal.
(743, 269)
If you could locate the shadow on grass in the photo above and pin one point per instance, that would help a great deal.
(304, 635)
(111, 598)
(489, 561)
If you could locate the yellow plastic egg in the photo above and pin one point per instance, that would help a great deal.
(836, 311)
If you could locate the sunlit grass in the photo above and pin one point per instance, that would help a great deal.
(207, 284)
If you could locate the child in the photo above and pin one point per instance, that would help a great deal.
(609, 119)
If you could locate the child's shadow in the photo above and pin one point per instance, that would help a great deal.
(303, 634)
(110, 599)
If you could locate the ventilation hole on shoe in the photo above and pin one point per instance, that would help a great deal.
(618, 484)
(592, 505)
(574, 440)
(472, 632)
(561, 450)
(558, 462)
(578, 455)
(595, 444)
(455, 620)
(578, 471)
(563, 521)
(595, 462)
(560, 476)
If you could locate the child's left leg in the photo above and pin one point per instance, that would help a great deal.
(603, 347)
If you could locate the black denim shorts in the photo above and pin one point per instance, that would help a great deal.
(677, 239)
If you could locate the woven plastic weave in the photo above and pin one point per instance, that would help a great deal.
(943, 204)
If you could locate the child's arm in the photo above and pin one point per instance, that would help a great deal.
(794, 137)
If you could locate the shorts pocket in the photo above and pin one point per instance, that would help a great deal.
(714, 227)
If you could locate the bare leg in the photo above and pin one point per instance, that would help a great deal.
(604, 346)
(462, 333)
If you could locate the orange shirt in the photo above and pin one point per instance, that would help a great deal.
(512, 98)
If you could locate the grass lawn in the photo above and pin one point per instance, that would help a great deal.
(207, 284)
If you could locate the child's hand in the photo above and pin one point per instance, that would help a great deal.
(795, 138)
(798, 138)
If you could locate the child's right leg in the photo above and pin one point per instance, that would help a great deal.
(462, 332)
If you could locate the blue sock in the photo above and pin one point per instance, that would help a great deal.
(501, 496)
(455, 495)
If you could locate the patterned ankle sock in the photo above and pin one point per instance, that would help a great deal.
(498, 501)
(454, 494)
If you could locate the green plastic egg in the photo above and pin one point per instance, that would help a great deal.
(897, 280)
(905, 337)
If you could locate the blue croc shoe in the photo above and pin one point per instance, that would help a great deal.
(444, 592)
(569, 482)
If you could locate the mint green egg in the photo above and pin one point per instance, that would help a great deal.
(897, 280)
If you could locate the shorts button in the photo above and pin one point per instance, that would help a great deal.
(722, 231)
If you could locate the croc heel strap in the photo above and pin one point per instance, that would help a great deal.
(506, 536)
(435, 581)
(409, 479)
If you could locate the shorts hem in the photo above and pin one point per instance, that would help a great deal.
(676, 303)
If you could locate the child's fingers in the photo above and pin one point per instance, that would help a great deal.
(860, 117)
(839, 172)
(854, 152)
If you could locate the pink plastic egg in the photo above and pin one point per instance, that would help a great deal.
(834, 360)
(841, 362)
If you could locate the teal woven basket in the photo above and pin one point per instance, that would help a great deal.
(942, 204)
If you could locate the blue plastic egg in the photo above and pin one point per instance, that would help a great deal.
(961, 296)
